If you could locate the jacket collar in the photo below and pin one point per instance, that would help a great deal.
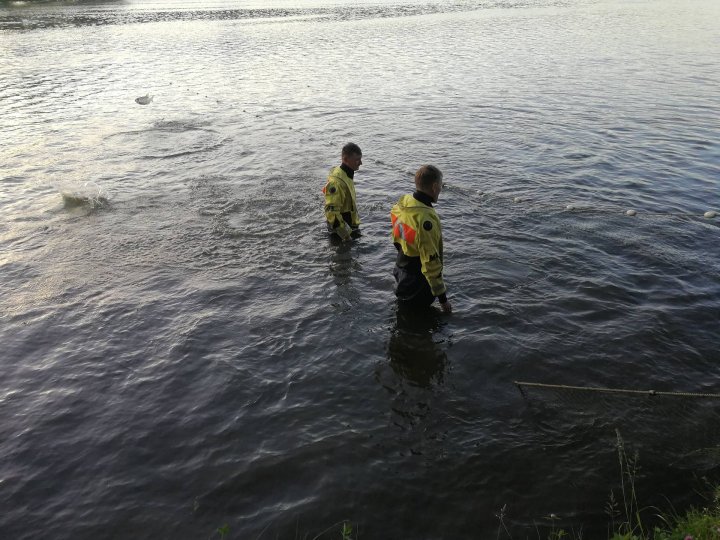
(347, 170)
(423, 198)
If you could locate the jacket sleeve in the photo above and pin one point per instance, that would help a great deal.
(430, 249)
(334, 203)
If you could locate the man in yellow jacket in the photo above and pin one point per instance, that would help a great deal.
(340, 200)
(417, 236)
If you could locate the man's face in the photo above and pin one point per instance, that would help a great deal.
(353, 161)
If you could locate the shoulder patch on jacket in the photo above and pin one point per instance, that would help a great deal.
(427, 226)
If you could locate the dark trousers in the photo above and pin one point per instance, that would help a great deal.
(412, 288)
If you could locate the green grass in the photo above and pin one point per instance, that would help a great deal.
(696, 524)
(625, 516)
(625, 521)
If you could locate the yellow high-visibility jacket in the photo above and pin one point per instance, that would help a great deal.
(416, 228)
(340, 203)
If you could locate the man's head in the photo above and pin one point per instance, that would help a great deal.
(429, 180)
(352, 156)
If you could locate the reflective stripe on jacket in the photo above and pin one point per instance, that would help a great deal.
(416, 229)
(340, 203)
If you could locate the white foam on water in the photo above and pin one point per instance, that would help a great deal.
(87, 194)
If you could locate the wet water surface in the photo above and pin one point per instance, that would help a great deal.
(183, 347)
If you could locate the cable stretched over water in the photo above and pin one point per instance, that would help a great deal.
(523, 201)
(603, 208)
(521, 384)
(680, 428)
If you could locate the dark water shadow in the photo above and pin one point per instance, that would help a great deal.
(412, 351)
(342, 261)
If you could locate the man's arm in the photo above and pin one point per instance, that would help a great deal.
(334, 203)
(431, 262)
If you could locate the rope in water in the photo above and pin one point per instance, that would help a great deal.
(569, 208)
(520, 385)
(520, 200)
(603, 208)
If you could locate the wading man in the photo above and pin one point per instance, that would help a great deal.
(417, 237)
(340, 201)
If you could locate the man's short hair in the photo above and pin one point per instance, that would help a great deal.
(426, 176)
(351, 148)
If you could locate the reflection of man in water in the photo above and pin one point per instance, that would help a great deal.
(412, 352)
(417, 237)
(340, 201)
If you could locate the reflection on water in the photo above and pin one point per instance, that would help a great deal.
(341, 261)
(412, 350)
(119, 12)
(414, 376)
